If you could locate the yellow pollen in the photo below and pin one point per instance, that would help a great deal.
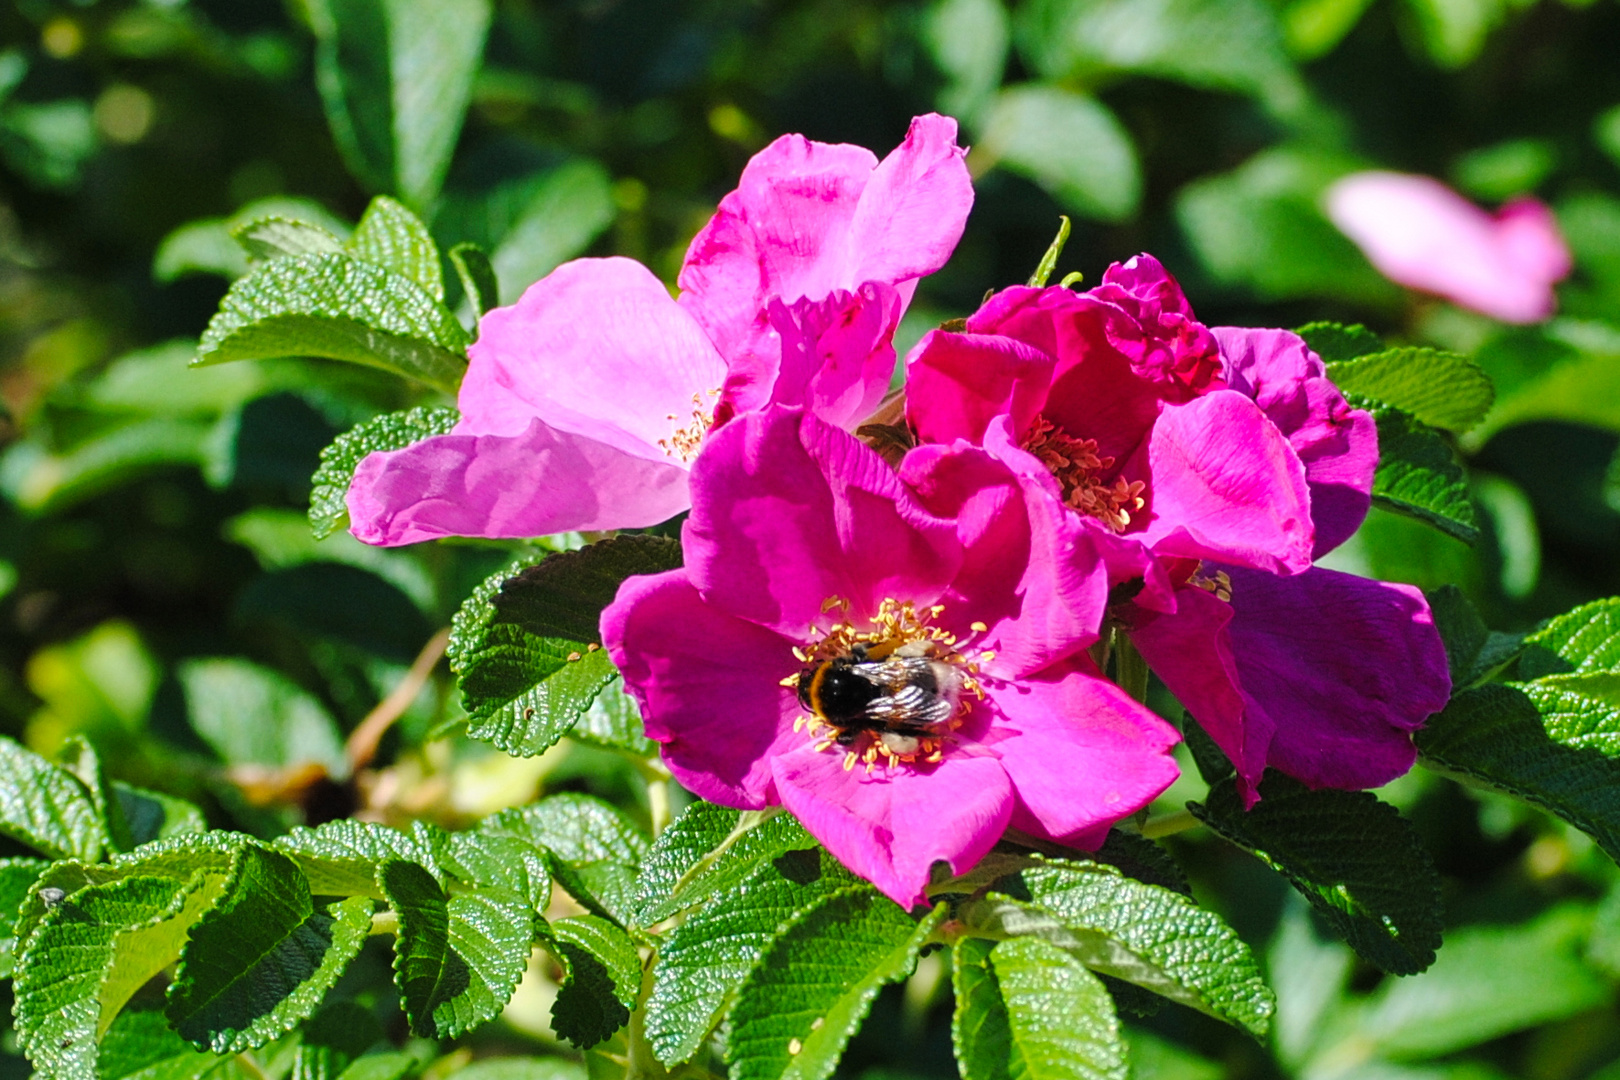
(849, 761)
(1078, 468)
(979, 626)
(687, 441)
(1219, 583)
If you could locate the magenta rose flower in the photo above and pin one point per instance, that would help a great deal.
(585, 402)
(1420, 233)
(876, 659)
(1211, 467)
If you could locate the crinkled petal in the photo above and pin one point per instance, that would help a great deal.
(1029, 571)
(707, 685)
(1338, 445)
(597, 348)
(1420, 233)
(1081, 753)
(788, 512)
(537, 482)
(838, 352)
(1147, 318)
(1347, 667)
(891, 825)
(1223, 484)
(1192, 651)
(957, 383)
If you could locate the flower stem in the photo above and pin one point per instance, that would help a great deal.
(1130, 668)
(641, 1063)
(1168, 824)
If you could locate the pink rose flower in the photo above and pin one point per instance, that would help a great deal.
(585, 402)
(807, 558)
(1420, 233)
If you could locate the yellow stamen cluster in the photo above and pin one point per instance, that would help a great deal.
(687, 441)
(1219, 583)
(896, 624)
(1077, 466)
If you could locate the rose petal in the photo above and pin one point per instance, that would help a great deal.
(837, 353)
(1338, 445)
(957, 383)
(1223, 484)
(537, 482)
(707, 685)
(789, 512)
(891, 825)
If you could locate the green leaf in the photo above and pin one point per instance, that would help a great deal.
(968, 41)
(1335, 341)
(1584, 640)
(152, 815)
(41, 480)
(587, 1009)
(611, 946)
(1495, 734)
(1473, 652)
(393, 238)
(594, 850)
(1141, 858)
(1441, 389)
(1487, 982)
(1070, 144)
(16, 876)
(340, 858)
(457, 959)
(980, 1033)
(1158, 939)
(525, 645)
(141, 1044)
(1354, 858)
(477, 274)
(1419, 476)
(251, 715)
(1060, 1019)
(614, 721)
(332, 1038)
(522, 1068)
(392, 431)
(497, 863)
(211, 245)
(334, 307)
(89, 954)
(279, 238)
(814, 983)
(263, 958)
(396, 76)
(389, 1065)
(1048, 263)
(708, 850)
(47, 807)
(706, 957)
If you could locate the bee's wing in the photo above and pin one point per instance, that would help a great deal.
(895, 673)
(910, 709)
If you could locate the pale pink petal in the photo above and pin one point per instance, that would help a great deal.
(536, 482)
(1338, 445)
(957, 383)
(707, 685)
(1081, 753)
(598, 348)
(891, 825)
(789, 512)
(837, 352)
(1420, 233)
(1224, 484)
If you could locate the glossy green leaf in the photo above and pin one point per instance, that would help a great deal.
(525, 645)
(340, 858)
(262, 959)
(1070, 144)
(1582, 641)
(1060, 1018)
(1354, 858)
(1337, 341)
(1419, 476)
(251, 715)
(332, 1038)
(708, 850)
(499, 863)
(980, 1033)
(594, 849)
(612, 946)
(332, 306)
(706, 957)
(815, 982)
(392, 237)
(279, 238)
(16, 876)
(478, 278)
(141, 1044)
(587, 1009)
(46, 807)
(1441, 389)
(1473, 651)
(614, 721)
(213, 246)
(392, 431)
(152, 815)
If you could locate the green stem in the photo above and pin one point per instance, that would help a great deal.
(1130, 668)
(641, 1063)
(1169, 824)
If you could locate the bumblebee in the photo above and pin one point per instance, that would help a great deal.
(902, 697)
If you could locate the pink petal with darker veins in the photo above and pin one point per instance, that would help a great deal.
(957, 383)
(837, 354)
(891, 826)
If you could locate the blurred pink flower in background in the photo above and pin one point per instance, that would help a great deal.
(1423, 235)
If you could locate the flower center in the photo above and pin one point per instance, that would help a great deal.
(888, 694)
(1218, 583)
(686, 441)
(1079, 469)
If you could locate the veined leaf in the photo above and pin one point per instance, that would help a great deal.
(707, 850)
(334, 307)
(47, 807)
(16, 876)
(487, 861)
(392, 431)
(814, 983)
(477, 276)
(1441, 389)
(262, 959)
(280, 238)
(1419, 476)
(152, 815)
(979, 1030)
(594, 850)
(609, 944)
(1473, 651)
(1060, 1019)
(705, 958)
(1354, 858)
(613, 721)
(392, 237)
(1335, 341)
(332, 1038)
(1581, 641)
(602, 982)
(340, 858)
(1158, 939)
(140, 1045)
